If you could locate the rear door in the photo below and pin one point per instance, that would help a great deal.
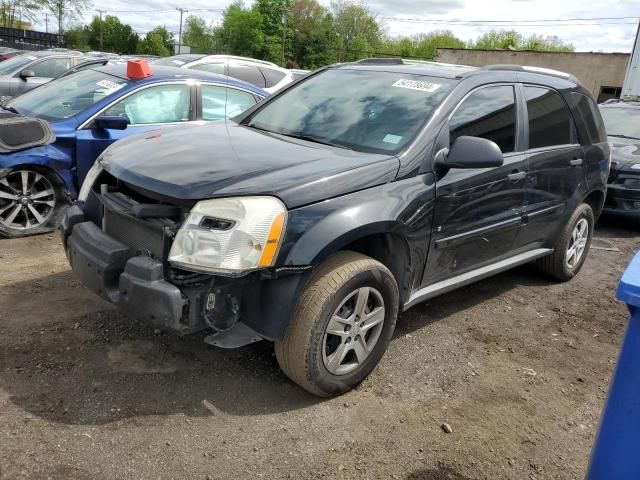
(148, 108)
(478, 211)
(556, 163)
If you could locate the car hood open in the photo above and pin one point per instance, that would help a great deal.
(224, 159)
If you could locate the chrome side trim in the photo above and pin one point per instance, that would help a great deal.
(449, 284)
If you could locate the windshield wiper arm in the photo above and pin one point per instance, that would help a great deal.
(311, 138)
(11, 109)
(620, 135)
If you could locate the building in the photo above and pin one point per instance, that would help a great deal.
(601, 73)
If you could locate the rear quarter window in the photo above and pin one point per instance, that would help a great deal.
(273, 76)
(588, 118)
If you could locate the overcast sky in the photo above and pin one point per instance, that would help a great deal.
(409, 16)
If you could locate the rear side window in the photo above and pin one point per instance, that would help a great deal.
(588, 116)
(247, 74)
(487, 113)
(273, 76)
(51, 67)
(549, 118)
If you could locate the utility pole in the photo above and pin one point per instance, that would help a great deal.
(46, 22)
(284, 32)
(182, 11)
(101, 25)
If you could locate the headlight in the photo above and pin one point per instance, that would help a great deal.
(92, 175)
(230, 234)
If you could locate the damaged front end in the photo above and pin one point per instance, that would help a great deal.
(119, 242)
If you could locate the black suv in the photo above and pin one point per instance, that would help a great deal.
(622, 121)
(318, 216)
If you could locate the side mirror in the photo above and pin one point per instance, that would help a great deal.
(24, 74)
(471, 152)
(111, 122)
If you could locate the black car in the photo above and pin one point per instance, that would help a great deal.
(622, 121)
(318, 216)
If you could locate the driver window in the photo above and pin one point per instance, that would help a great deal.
(51, 67)
(219, 103)
(161, 104)
(487, 113)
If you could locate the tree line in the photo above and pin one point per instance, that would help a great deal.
(294, 33)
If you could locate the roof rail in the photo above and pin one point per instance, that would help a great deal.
(381, 61)
(527, 68)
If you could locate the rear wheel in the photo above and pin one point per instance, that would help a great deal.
(572, 246)
(342, 325)
(30, 202)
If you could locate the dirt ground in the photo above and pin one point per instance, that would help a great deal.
(518, 367)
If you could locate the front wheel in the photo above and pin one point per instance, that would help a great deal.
(30, 202)
(342, 325)
(572, 246)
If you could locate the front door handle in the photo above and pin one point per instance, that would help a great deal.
(514, 177)
(576, 162)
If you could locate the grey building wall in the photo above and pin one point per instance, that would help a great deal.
(594, 70)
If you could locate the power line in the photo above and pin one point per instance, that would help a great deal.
(511, 21)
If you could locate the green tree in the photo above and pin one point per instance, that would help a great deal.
(158, 41)
(548, 44)
(77, 38)
(241, 31)
(498, 39)
(359, 34)
(19, 13)
(198, 35)
(273, 14)
(314, 39)
(111, 35)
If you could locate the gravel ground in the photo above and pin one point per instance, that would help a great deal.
(515, 365)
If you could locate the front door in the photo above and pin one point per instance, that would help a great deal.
(478, 211)
(150, 108)
(556, 164)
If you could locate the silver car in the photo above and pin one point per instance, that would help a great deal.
(25, 72)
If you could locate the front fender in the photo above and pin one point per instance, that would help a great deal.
(404, 207)
(47, 156)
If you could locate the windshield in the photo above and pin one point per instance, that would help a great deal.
(67, 96)
(16, 63)
(622, 121)
(367, 111)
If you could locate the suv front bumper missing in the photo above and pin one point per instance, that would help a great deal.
(239, 311)
(623, 195)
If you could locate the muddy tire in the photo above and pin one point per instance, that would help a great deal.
(572, 247)
(342, 325)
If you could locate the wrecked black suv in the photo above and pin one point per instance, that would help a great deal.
(318, 216)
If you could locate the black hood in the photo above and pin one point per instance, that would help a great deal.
(624, 152)
(226, 159)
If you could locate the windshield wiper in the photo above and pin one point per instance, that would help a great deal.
(311, 138)
(11, 109)
(620, 135)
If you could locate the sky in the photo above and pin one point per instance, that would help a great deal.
(406, 17)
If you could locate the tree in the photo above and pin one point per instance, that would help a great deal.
(314, 39)
(241, 31)
(111, 35)
(77, 38)
(198, 35)
(423, 46)
(359, 33)
(503, 39)
(549, 44)
(19, 13)
(158, 41)
(273, 14)
(65, 10)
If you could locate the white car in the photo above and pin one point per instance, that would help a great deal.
(266, 75)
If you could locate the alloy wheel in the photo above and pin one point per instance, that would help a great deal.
(27, 200)
(353, 331)
(577, 243)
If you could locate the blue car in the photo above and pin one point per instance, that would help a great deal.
(87, 112)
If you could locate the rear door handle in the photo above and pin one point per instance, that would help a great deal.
(576, 162)
(514, 177)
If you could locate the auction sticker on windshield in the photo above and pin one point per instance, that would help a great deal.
(417, 85)
(109, 85)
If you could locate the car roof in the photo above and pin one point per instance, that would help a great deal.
(161, 72)
(411, 67)
(620, 103)
(47, 53)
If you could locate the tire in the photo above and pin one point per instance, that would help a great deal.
(39, 210)
(559, 265)
(335, 291)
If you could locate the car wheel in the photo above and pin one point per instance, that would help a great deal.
(572, 246)
(31, 202)
(342, 325)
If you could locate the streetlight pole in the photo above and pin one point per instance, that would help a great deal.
(284, 32)
(182, 11)
(101, 25)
